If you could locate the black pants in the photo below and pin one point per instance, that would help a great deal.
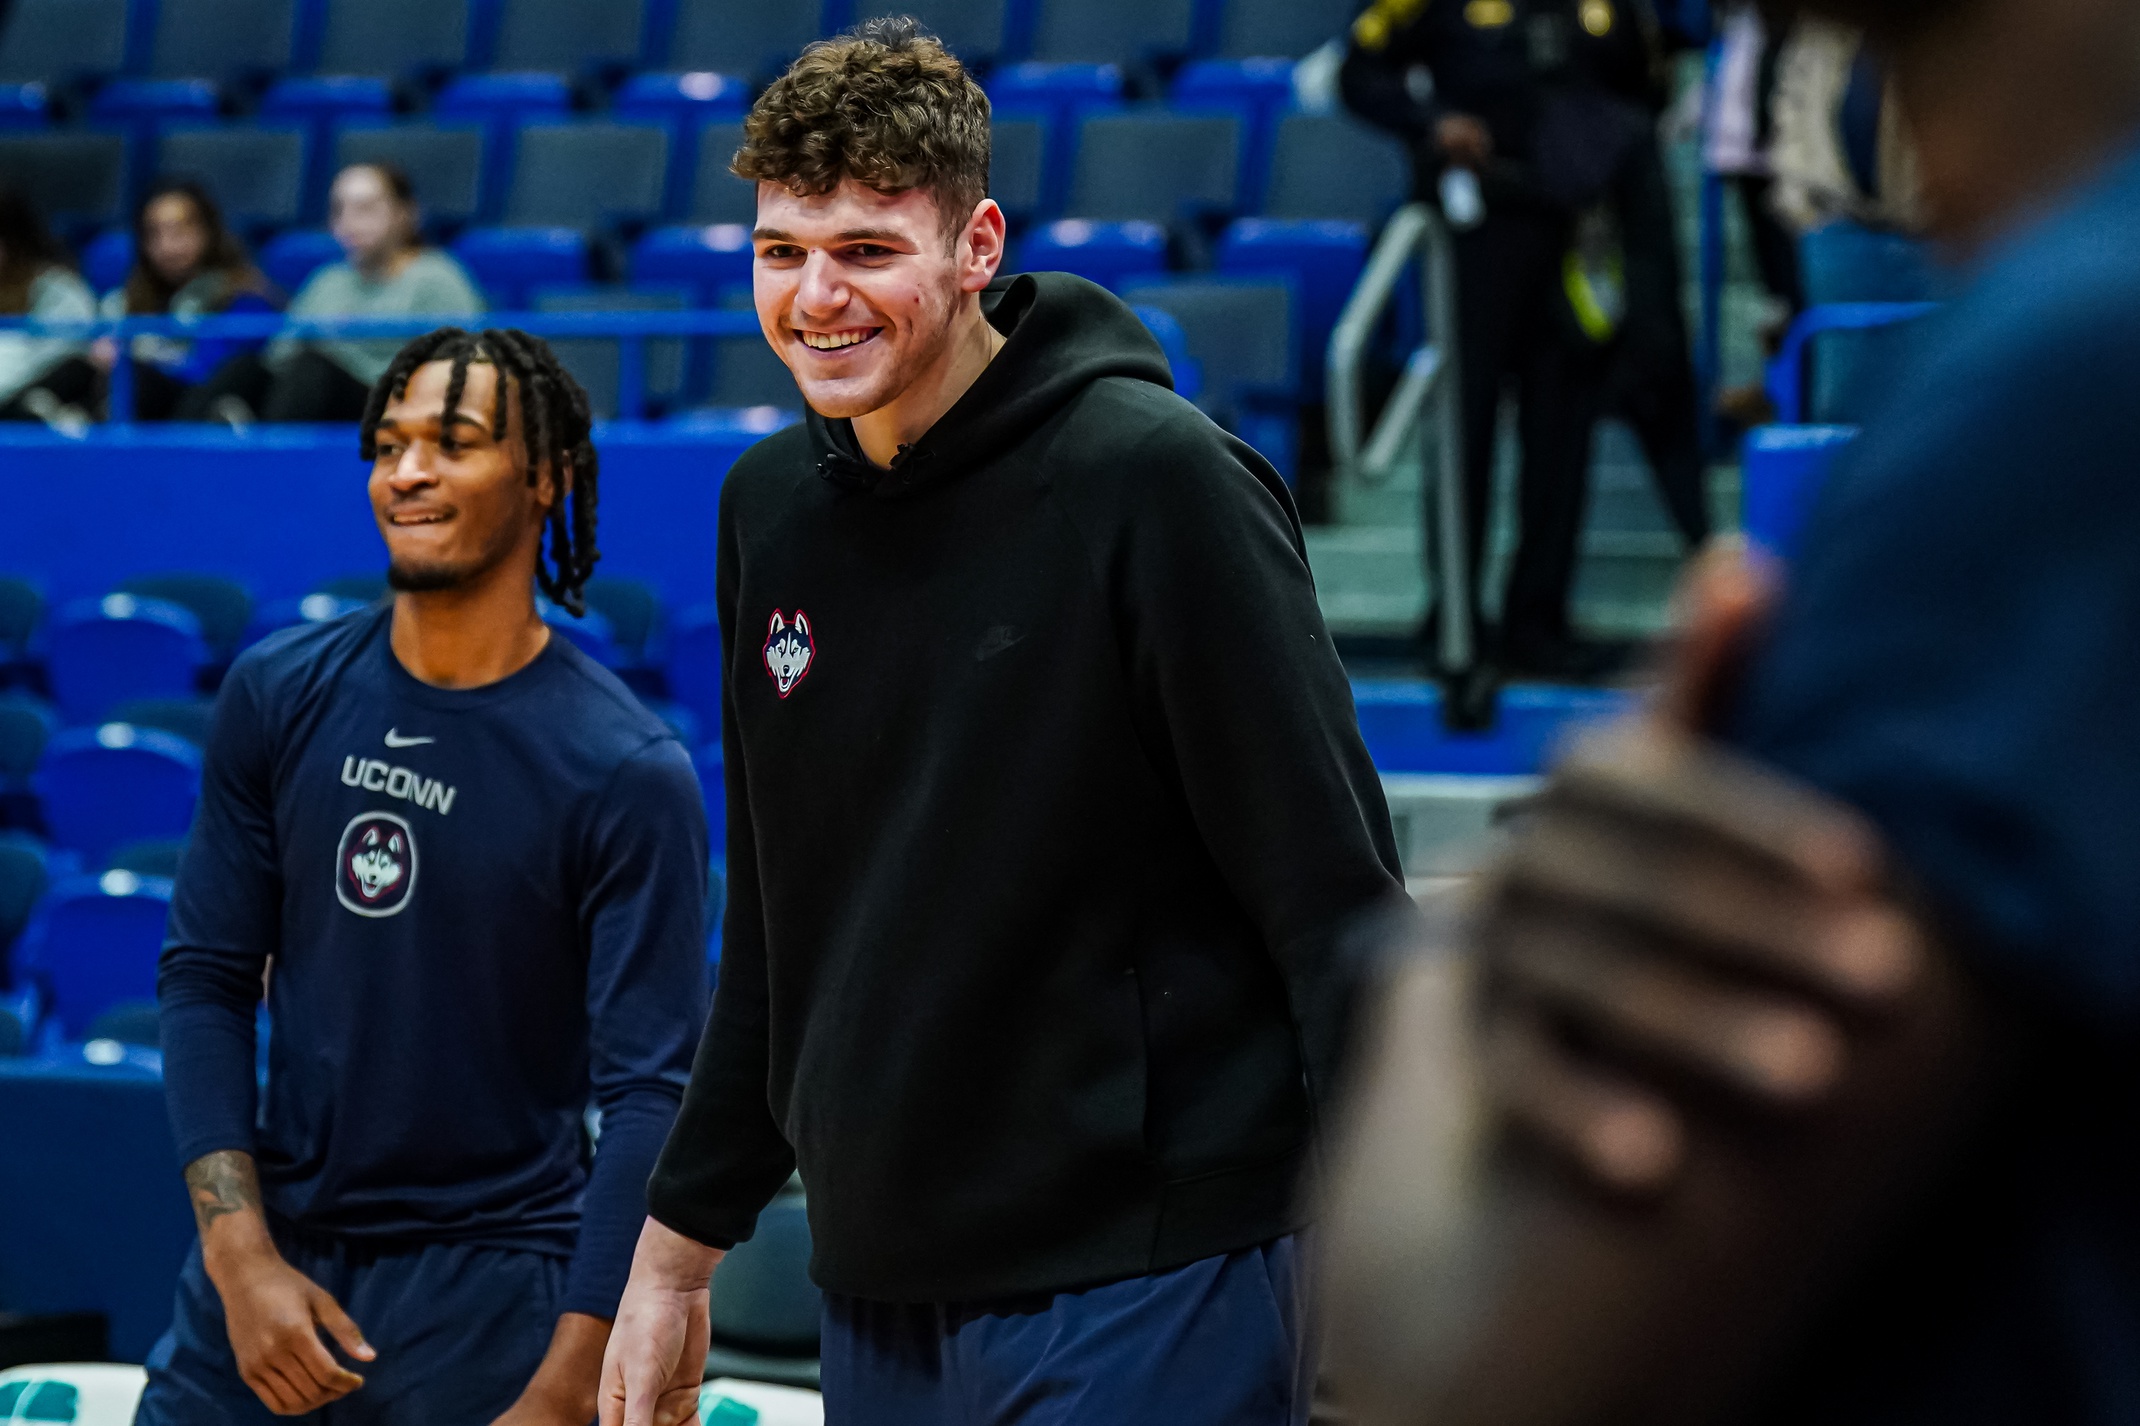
(311, 387)
(1515, 327)
(72, 383)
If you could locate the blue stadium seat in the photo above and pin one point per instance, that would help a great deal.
(683, 102)
(745, 424)
(22, 609)
(508, 263)
(55, 41)
(26, 725)
(502, 102)
(366, 588)
(256, 173)
(718, 196)
(589, 632)
(1018, 165)
(1188, 375)
(633, 610)
(1333, 166)
(101, 651)
(23, 873)
(1111, 31)
(694, 663)
(974, 30)
(221, 39)
(187, 718)
(1106, 253)
(680, 720)
(1259, 90)
(444, 163)
(290, 258)
(747, 374)
(764, 1316)
(1844, 262)
(77, 178)
(1159, 165)
(108, 258)
(1291, 28)
(24, 106)
(569, 36)
(1240, 330)
(389, 39)
(1059, 89)
(754, 40)
(93, 943)
(596, 362)
(709, 257)
(106, 786)
(1322, 257)
(142, 103)
(588, 175)
(319, 103)
(706, 760)
(221, 605)
(279, 614)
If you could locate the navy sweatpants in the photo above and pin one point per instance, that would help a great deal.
(459, 1330)
(1220, 1342)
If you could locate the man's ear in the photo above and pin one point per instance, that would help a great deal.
(981, 247)
(553, 482)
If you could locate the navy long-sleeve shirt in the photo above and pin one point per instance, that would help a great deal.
(484, 910)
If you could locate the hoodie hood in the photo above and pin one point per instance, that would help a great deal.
(1061, 333)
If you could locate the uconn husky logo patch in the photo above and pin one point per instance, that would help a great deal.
(375, 870)
(789, 651)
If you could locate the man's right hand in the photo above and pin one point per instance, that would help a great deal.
(1463, 140)
(657, 1349)
(274, 1313)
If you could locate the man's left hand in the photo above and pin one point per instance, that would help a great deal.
(562, 1391)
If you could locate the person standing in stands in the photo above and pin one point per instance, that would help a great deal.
(386, 271)
(476, 868)
(1545, 105)
(186, 264)
(47, 379)
(1051, 832)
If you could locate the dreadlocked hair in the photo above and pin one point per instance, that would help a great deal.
(554, 427)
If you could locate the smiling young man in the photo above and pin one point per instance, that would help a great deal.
(477, 867)
(1051, 830)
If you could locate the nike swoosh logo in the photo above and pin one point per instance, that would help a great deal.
(395, 740)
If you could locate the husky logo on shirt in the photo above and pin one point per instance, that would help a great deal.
(789, 651)
(375, 870)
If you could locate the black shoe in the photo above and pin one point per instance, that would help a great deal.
(1563, 658)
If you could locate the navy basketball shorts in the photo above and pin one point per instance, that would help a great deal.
(1221, 1342)
(459, 1331)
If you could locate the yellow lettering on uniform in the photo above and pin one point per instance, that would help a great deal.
(1372, 31)
(1597, 17)
(1489, 14)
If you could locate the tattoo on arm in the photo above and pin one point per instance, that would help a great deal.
(222, 1183)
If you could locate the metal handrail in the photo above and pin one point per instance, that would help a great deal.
(1786, 371)
(631, 329)
(1429, 388)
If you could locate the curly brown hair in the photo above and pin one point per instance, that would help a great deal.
(884, 104)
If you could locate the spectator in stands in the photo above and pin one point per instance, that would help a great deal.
(49, 379)
(1544, 105)
(1861, 1044)
(186, 264)
(387, 271)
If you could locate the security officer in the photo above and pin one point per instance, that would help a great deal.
(1547, 103)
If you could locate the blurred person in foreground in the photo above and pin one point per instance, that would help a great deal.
(47, 379)
(1799, 1077)
(386, 271)
(186, 264)
(1051, 841)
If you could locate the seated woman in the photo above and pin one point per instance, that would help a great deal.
(187, 264)
(45, 379)
(388, 273)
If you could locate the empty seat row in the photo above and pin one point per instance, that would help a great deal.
(46, 41)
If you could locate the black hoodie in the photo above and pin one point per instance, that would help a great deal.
(1051, 835)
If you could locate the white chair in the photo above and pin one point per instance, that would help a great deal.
(85, 1393)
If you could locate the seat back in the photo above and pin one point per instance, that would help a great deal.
(632, 609)
(759, 38)
(212, 39)
(152, 856)
(588, 175)
(444, 162)
(1156, 165)
(290, 258)
(1334, 166)
(1240, 330)
(709, 258)
(694, 663)
(104, 787)
(93, 943)
(46, 40)
(589, 632)
(596, 362)
(568, 35)
(508, 263)
(22, 606)
(26, 725)
(256, 173)
(1017, 169)
(1106, 253)
(1291, 28)
(762, 1298)
(718, 196)
(1322, 258)
(971, 29)
(100, 651)
(188, 718)
(1111, 31)
(393, 37)
(221, 605)
(75, 177)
